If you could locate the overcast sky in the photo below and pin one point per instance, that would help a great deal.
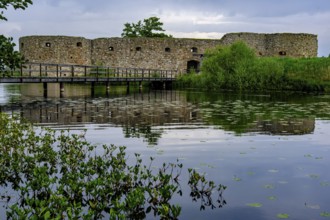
(181, 18)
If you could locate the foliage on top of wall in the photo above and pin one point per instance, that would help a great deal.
(150, 27)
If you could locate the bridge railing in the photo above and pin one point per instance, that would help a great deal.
(42, 70)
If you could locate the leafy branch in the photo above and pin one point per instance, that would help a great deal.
(60, 175)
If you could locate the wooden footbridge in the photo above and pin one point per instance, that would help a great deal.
(51, 73)
(64, 73)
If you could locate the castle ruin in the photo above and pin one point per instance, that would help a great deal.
(157, 53)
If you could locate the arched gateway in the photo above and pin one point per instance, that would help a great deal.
(193, 65)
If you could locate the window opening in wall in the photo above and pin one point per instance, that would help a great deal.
(167, 49)
(138, 48)
(79, 44)
(22, 45)
(260, 53)
(282, 53)
(110, 48)
(48, 44)
(194, 50)
(193, 115)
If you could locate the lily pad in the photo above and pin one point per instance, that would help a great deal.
(325, 183)
(271, 197)
(273, 171)
(325, 214)
(237, 179)
(312, 206)
(282, 216)
(269, 186)
(283, 182)
(256, 205)
(314, 176)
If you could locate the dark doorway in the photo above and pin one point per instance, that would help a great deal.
(193, 65)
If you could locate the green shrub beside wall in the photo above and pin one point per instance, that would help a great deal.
(236, 67)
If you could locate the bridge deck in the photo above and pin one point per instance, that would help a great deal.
(53, 73)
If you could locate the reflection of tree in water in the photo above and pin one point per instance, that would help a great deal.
(274, 113)
(151, 136)
(140, 113)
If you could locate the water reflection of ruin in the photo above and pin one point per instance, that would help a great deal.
(139, 109)
(285, 127)
(140, 113)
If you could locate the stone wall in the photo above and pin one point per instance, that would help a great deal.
(156, 53)
(56, 49)
(284, 44)
(150, 53)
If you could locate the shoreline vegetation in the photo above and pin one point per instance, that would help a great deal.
(236, 67)
(45, 174)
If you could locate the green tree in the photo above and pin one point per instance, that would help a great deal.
(9, 58)
(16, 4)
(150, 27)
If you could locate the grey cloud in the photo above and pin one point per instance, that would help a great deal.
(102, 18)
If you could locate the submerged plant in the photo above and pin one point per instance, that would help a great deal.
(60, 175)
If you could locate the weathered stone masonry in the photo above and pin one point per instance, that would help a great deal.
(157, 53)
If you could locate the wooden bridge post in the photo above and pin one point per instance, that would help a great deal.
(61, 89)
(61, 86)
(92, 89)
(45, 90)
(127, 87)
(140, 86)
(107, 92)
(40, 69)
(107, 87)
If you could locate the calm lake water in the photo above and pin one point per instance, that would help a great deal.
(272, 151)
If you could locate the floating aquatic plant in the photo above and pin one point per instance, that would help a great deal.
(283, 216)
(269, 186)
(325, 183)
(314, 176)
(237, 179)
(256, 205)
(271, 197)
(325, 214)
(273, 171)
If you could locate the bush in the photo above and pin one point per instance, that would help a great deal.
(236, 67)
(60, 176)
